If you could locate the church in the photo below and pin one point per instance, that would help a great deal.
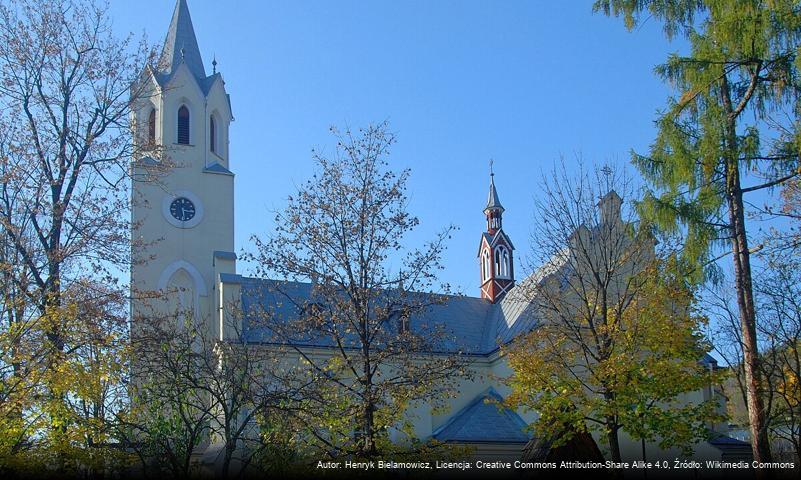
(186, 221)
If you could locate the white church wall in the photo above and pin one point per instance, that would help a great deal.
(166, 239)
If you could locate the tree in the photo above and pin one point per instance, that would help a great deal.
(735, 121)
(779, 328)
(343, 231)
(787, 240)
(67, 85)
(65, 412)
(618, 343)
(196, 393)
(779, 298)
(18, 351)
(169, 419)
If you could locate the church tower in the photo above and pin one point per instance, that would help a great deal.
(495, 251)
(182, 200)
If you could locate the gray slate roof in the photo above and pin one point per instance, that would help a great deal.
(217, 168)
(465, 320)
(181, 44)
(492, 198)
(484, 420)
(474, 326)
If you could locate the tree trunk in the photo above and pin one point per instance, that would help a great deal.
(229, 454)
(745, 303)
(742, 281)
(368, 426)
(614, 441)
(368, 430)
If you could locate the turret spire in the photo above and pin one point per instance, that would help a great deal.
(492, 199)
(181, 44)
(494, 209)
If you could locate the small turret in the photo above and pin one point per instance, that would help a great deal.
(496, 250)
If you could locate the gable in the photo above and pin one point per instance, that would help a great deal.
(484, 420)
(180, 79)
(213, 88)
(501, 238)
(486, 240)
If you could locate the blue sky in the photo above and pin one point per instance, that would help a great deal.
(523, 82)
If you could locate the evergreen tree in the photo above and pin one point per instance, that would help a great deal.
(733, 130)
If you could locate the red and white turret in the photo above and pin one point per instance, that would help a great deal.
(495, 253)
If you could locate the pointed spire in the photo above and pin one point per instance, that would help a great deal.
(181, 44)
(493, 203)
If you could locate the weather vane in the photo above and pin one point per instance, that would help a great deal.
(491, 163)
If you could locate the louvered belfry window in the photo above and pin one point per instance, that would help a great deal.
(183, 125)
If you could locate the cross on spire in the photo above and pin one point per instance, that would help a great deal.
(493, 203)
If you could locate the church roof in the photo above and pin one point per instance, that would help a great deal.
(493, 201)
(181, 45)
(471, 325)
(463, 320)
(484, 420)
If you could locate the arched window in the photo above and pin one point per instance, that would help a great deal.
(183, 125)
(403, 323)
(502, 262)
(212, 134)
(151, 127)
(485, 265)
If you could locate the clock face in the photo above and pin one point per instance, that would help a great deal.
(182, 209)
